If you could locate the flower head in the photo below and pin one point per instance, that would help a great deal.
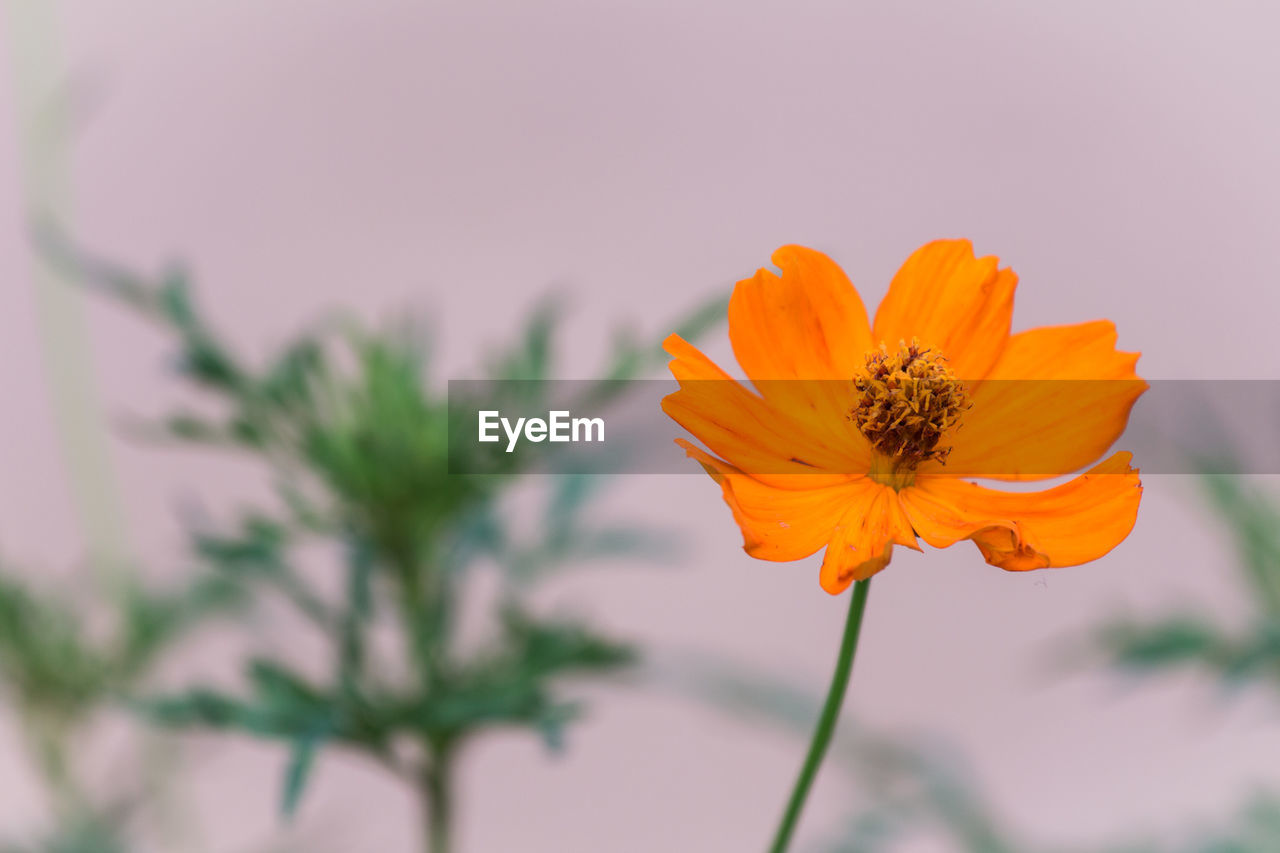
(858, 435)
(907, 402)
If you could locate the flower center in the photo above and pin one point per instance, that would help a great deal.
(906, 403)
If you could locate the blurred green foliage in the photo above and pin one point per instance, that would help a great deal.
(75, 837)
(356, 443)
(1239, 652)
(59, 675)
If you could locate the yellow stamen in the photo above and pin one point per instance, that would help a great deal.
(906, 403)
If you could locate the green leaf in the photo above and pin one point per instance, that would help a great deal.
(203, 707)
(1254, 521)
(546, 648)
(151, 622)
(293, 378)
(257, 546)
(1176, 640)
(283, 691)
(54, 245)
(46, 661)
(530, 359)
(551, 726)
(359, 609)
(195, 429)
(298, 772)
(173, 299)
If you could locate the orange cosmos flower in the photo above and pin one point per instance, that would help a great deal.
(858, 431)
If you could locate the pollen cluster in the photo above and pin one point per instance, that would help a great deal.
(906, 402)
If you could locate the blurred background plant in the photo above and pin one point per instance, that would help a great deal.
(356, 444)
(1237, 653)
(69, 658)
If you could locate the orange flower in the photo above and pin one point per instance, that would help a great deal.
(857, 433)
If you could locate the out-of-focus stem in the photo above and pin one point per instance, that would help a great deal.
(425, 605)
(438, 802)
(49, 738)
(42, 118)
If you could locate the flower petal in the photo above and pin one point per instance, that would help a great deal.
(809, 323)
(950, 300)
(801, 338)
(862, 543)
(858, 521)
(1067, 525)
(745, 429)
(1055, 401)
(783, 524)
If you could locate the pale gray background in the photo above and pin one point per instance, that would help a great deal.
(459, 158)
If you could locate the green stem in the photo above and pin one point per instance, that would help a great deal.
(826, 722)
(424, 608)
(438, 806)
